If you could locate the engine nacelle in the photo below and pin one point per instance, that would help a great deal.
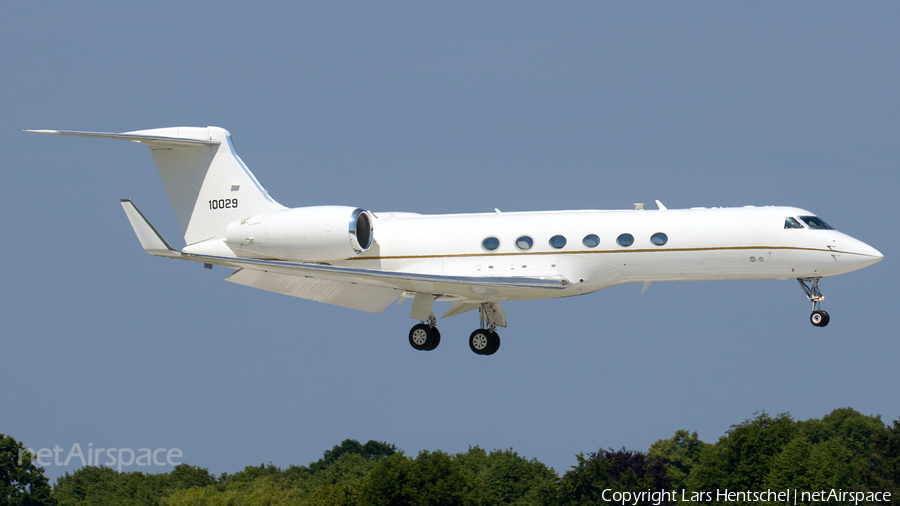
(307, 234)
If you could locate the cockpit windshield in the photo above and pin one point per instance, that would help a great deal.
(815, 223)
(792, 223)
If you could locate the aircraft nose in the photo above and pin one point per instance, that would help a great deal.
(863, 254)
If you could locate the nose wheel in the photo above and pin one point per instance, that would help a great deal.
(818, 318)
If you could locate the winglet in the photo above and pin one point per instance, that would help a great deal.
(151, 240)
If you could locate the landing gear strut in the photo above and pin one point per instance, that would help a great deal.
(819, 318)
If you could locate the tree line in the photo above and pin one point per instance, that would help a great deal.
(843, 451)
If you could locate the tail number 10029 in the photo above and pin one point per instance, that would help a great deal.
(223, 204)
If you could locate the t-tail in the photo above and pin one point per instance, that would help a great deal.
(207, 182)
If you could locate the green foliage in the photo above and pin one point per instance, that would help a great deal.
(805, 466)
(21, 483)
(251, 473)
(880, 471)
(823, 466)
(617, 471)
(779, 453)
(97, 486)
(852, 429)
(431, 478)
(372, 450)
(266, 490)
(679, 454)
(345, 493)
(741, 459)
(294, 474)
(348, 470)
(507, 477)
(88, 485)
(844, 450)
(584, 484)
(184, 476)
(791, 468)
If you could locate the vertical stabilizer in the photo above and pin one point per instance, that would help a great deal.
(209, 186)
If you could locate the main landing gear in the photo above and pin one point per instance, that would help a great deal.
(425, 336)
(818, 317)
(483, 341)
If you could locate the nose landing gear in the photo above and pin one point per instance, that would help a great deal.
(818, 318)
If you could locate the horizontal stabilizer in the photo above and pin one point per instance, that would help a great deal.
(156, 141)
(150, 238)
(201, 172)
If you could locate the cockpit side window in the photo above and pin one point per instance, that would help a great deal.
(815, 223)
(790, 222)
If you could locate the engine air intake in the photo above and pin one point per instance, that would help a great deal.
(361, 230)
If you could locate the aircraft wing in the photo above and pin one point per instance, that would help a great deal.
(367, 289)
(410, 281)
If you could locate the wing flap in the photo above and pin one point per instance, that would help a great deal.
(339, 293)
(410, 281)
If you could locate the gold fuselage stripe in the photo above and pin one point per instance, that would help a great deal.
(525, 253)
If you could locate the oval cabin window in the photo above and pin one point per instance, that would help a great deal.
(558, 241)
(491, 243)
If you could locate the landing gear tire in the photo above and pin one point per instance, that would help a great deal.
(436, 338)
(421, 337)
(482, 342)
(819, 318)
(496, 338)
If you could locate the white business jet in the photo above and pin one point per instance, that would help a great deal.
(366, 260)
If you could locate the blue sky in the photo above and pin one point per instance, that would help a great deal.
(431, 108)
